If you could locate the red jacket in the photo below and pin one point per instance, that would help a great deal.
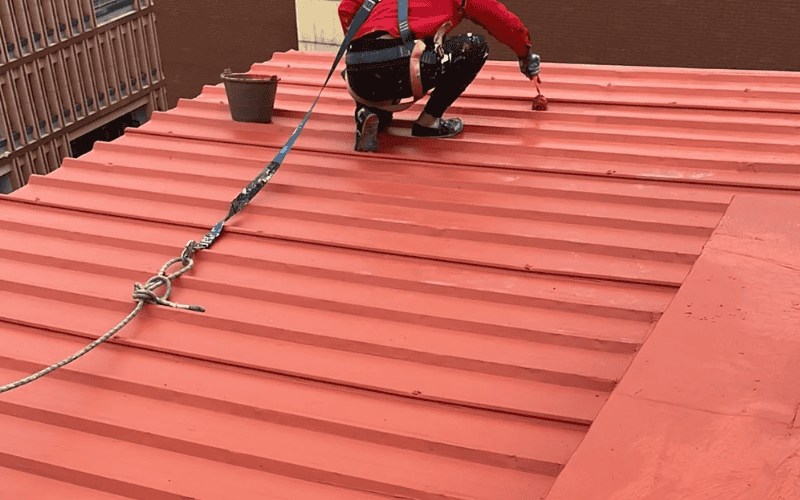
(426, 16)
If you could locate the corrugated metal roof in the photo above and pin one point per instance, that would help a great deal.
(443, 319)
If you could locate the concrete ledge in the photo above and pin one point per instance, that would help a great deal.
(708, 408)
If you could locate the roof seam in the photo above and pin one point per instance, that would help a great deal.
(300, 83)
(234, 230)
(685, 203)
(122, 344)
(507, 168)
(666, 106)
(736, 414)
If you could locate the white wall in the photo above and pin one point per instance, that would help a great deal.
(318, 26)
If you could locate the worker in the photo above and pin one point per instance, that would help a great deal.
(380, 74)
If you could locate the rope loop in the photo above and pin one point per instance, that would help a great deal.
(187, 256)
(170, 263)
(147, 292)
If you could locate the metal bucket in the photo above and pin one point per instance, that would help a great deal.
(251, 98)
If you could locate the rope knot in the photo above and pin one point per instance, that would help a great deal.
(147, 292)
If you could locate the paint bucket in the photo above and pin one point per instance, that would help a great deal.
(251, 98)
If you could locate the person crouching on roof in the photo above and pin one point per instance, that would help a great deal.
(389, 61)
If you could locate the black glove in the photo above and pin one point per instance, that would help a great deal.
(529, 65)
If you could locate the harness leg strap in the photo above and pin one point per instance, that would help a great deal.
(415, 68)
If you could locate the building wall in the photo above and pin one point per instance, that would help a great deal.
(201, 38)
(318, 26)
(683, 33)
(66, 70)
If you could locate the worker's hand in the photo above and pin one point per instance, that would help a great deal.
(529, 65)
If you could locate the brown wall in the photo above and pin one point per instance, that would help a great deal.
(200, 38)
(737, 34)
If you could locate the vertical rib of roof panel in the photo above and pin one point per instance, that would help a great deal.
(443, 319)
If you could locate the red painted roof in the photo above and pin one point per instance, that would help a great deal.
(443, 319)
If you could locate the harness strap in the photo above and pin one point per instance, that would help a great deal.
(383, 55)
(415, 67)
(414, 49)
(402, 23)
(417, 48)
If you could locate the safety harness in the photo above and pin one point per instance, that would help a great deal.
(412, 48)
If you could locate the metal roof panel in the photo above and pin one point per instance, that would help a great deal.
(443, 319)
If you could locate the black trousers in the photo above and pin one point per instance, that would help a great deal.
(464, 56)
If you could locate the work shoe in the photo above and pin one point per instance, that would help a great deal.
(444, 128)
(367, 132)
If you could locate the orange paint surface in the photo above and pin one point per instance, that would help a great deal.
(708, 409)
(443, 319)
